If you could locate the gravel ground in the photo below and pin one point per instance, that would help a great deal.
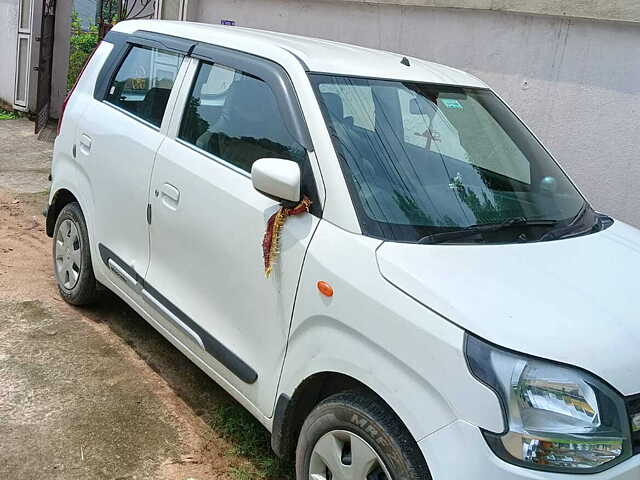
(94, 393)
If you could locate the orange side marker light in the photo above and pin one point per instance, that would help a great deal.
(325, 288)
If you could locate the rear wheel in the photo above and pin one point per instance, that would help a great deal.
(72, 257)
(355, 436)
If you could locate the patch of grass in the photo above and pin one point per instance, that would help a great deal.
(8, 115)
(251, 441)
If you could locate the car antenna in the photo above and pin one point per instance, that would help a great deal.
(405, 61)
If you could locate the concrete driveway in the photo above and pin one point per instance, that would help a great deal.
(96, 393)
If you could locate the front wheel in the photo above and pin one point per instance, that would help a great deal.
(355, 436)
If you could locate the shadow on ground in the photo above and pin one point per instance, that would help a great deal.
(57, 376)
(205, 397)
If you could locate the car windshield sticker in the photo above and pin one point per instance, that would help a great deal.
(451, 103)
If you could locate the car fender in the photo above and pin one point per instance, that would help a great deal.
(418, 404)
(369, 330)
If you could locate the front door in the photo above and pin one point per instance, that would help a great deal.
(118, 138)
(206, 265)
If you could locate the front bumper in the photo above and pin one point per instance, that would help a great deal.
(459, 452)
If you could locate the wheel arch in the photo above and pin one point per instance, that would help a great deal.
(291, 412)
(74, 188)
(58, 201)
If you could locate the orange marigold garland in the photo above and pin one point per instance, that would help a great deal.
(271, 239)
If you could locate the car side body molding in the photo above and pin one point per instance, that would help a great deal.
(177, 317)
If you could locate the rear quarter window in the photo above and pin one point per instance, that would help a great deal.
(143, 83)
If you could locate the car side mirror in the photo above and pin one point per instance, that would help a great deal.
(277, 178)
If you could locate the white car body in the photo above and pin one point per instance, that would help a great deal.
(398, 318)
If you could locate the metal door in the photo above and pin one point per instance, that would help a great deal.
(23, 57)
(45, 60)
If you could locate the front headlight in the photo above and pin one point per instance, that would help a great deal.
(558, 418)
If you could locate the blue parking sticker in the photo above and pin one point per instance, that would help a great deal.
(451, 103)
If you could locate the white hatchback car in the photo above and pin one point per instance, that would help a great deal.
(444, 304)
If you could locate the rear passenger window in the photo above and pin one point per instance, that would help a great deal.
(234, 116)
(143, 83)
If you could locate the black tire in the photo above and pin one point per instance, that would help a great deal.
(83, 291)
(366, 416)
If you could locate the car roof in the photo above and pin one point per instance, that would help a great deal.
(317, 55)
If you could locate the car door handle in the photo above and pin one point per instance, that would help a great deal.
(85, 143)
(169, 195)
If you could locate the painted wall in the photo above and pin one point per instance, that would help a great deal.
(621, 10)
(8, 39)
(576, 82)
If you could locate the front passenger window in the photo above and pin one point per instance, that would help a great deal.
(234, 116)
(143, 83)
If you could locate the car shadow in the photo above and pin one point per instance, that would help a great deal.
(205, 397)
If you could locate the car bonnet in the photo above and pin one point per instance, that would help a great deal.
(575, 301)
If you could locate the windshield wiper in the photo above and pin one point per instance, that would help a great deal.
(482, 228)
(570, 228)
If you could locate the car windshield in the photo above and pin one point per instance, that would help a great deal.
(422, 159)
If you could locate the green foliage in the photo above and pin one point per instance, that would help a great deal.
(82, 43)
(110, 11)
(76, 26)
(8, 115)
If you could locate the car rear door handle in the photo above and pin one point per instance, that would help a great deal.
(169, 195)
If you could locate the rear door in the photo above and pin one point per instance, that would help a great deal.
(118, 138)
(206, 272)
